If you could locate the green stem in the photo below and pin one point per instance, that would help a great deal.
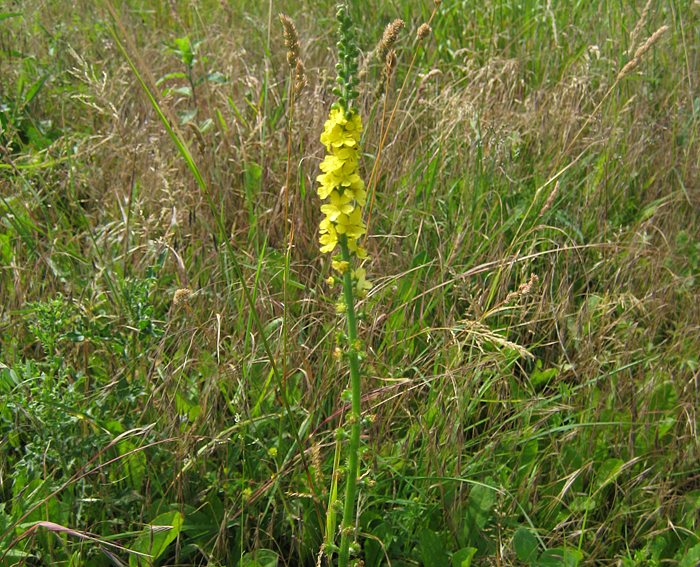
(354, 420)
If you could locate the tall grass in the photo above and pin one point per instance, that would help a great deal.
(532, 337)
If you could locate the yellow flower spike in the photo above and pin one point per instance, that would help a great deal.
(350, 223)
(342, 188)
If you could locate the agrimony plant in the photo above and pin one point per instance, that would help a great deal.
(344, 194)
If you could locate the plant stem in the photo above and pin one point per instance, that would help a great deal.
(353, 450)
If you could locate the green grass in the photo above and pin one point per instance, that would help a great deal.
(504, 424)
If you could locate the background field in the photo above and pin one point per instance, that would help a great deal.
(532, 339)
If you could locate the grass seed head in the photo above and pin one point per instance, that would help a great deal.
(291, 40)
(423, 31)
(641, 51)
(638, 28)
(391, 35)
(300, 80)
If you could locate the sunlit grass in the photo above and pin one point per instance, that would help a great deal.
(530, 390)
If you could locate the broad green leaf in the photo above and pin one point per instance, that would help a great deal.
(691, 558)
(260, 558)
(482, 499)
(463, 557)
(609, 471)
(525, 544)
(432, 549)
(157, 536)
(559, 557)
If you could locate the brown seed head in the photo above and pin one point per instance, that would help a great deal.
(423, 31)
(291, 40)
(550, 200)
(299, 77)
(182, 296)
(523, 289)
(391, 34)
(641, 50)
(640, 25)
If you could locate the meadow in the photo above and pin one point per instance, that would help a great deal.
(178, 385)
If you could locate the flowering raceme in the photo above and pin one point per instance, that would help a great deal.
(340, 184)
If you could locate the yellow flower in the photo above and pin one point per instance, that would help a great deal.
(338, 131)
(351, 224)
(340, 205)
(340, 266)
(355, 187)
(329, 236)
(328, 182)
(329, 242)
(358, 250)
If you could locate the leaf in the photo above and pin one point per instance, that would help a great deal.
(525, 544)
(8, 15)
(481, 502)
(463, 557)
(184, 91)
(170, 76)
(260, 558)
(432, 549)
(34, 89)
(609, 470)
(187, 116)
(157, 536)
(217, 78)
(559, 557)
(541, 378)
(691, 558)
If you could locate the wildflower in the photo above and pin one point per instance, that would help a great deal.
(340, 183)
(340, 266)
